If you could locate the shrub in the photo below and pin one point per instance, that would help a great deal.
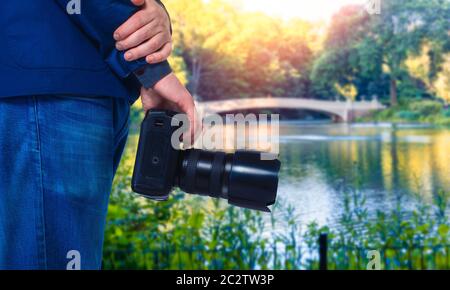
(407, 115)
(444, 122)
(385, 114)
(426, 108)
(446, 113)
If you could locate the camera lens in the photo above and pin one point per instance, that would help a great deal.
(242, 178)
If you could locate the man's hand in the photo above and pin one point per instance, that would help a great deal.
(170, 94)
(146, 34)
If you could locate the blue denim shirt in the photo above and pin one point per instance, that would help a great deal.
(48, 51)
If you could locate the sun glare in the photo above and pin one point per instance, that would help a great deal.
(313, 10)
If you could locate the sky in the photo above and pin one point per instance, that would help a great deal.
(313, 10)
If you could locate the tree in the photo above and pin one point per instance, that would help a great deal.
(200, 30)
(348, 91)
(402, 28)
(442, 82)
(339, 64)
(230, 53)
(365, 50)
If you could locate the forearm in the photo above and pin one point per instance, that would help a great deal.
(99, 19)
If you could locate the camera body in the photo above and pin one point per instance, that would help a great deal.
(242, 178)
(156, 160)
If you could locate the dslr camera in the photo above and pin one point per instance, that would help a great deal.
(241, 178)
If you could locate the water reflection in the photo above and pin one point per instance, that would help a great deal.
(321, 161)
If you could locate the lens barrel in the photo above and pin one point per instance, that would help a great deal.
(242, 178)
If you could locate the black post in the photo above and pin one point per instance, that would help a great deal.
(323, 251)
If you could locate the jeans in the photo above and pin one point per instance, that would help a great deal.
(58, 157)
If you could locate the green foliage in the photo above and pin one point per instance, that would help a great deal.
(362, 50)
(385, 115)
(446, 113)
(409, 89)
(426, 108)
(443, 122)
(229, 53)
(407, 115)
(428, 111)
(192, 233)
(223, 52)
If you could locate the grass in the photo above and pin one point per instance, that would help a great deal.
(425, 111)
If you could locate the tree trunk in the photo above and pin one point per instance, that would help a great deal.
(393, 92)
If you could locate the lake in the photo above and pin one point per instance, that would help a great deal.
(323, 161)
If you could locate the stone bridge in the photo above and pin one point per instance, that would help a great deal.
(340, 111)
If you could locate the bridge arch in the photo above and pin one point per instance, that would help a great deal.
(344, 111)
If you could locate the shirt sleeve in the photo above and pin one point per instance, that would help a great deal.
(98, 19)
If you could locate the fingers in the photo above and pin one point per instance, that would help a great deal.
(138, 37)
(145, 34)
(147, 48)
(170, 94)
(137, 21)
(194, 125)
(173, 91)
(138, 2)
(160, 55)
(152, 100)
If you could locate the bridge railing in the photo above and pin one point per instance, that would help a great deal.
(334, 107)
